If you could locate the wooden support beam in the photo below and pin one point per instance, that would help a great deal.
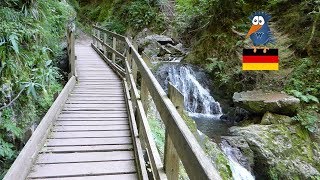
(146, 59)
(153, 154)
(142, 171)
(171, 157)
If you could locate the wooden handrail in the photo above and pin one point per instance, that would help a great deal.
(192, 156)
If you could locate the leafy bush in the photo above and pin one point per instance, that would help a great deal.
(308, 119)
(30, 37)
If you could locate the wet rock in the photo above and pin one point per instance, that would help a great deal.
(164, 51)
(160, 39)
(28, 133)
(175, 50)
(236, 114)
(149, 45)
(281, 151)
(259, 102)
(270, 118)
(240, 150)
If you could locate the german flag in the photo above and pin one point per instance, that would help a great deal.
(260, 60)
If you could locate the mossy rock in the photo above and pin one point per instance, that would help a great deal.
(270, 118)
(281, 151)
(260, 102)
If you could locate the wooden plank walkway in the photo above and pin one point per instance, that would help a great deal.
(91, 138)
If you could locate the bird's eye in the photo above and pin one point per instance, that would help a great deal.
(255, 20)
(261, 20)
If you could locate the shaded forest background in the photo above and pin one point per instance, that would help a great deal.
(32, 39)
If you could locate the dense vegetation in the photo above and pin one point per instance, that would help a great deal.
(31, 33)
(213, 30)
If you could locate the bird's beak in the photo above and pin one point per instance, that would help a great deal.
(253, 29)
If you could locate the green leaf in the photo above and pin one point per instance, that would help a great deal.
(296, 93)
(304, 98)
(13, 38)
(312, 98)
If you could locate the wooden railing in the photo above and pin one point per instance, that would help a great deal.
(180, 143)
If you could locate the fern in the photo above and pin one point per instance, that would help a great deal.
(13, 38)
(305, 98)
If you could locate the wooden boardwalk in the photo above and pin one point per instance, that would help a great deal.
(97, 128)
(91, 138)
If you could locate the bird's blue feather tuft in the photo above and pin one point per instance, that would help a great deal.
(265, 15)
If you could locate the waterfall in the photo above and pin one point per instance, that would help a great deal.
(197, 99)
(238, 171)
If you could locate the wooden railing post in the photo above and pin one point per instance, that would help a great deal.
(99, 37)
(144, 93)
(134, 66)
(105, 41)
(171, 157)
(114, 46)
(71, 49)
(93, 34)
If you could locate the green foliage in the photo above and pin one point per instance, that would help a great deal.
(305, 98)
(122, 16)
(305, 79)
(30, 37)
(308, 119)
(214, 65)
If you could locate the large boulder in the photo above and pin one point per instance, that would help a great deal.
(270, 118)
(259, 102)
(163, 40)
(281, 151)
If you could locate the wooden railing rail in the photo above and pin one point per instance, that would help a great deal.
(180, 142)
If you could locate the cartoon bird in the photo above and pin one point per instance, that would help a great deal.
(259, 32)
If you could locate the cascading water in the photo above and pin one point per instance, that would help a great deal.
(238, 171)
(197, 99)
(201, 107)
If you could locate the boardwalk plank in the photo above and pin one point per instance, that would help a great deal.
(90, 123)
(88, 141)
(90, 128)
(87, 148)
(103, 177)
(50, 158)
(89, 134)
(93, 119)
(118, 105)
(82, 169)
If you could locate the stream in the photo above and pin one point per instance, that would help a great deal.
(202, 108)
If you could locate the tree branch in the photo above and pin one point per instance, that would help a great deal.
(1, 108)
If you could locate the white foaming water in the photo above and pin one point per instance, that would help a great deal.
(197, 99)
(238, 171)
